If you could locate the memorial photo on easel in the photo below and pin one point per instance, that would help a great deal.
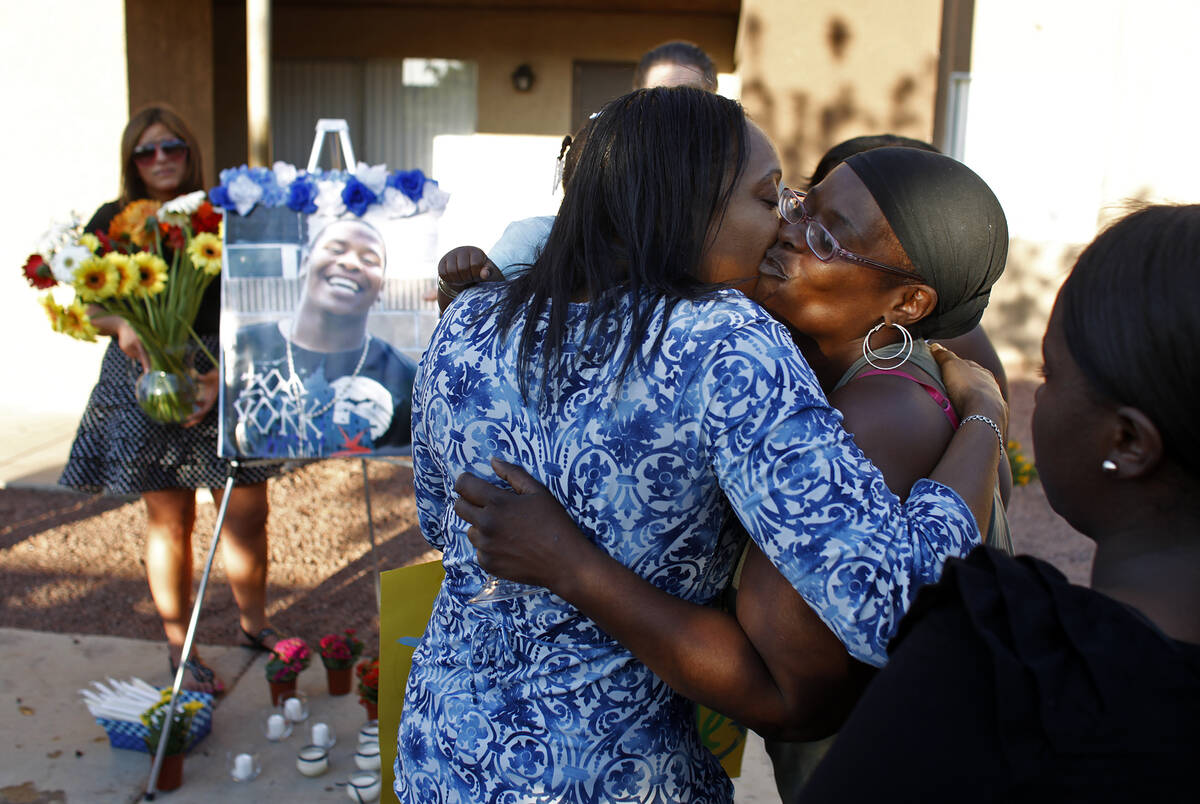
(323, 312)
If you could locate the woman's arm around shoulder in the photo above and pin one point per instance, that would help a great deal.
(799, 683)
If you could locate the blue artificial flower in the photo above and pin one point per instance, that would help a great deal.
(409, 182)
(358, 196)
(273, 195)
(302, 194)
(219, 196)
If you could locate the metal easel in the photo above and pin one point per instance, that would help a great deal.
(324, 127)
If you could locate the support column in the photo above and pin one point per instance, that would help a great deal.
(258, 82)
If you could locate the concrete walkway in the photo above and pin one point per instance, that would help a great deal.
(56, 752)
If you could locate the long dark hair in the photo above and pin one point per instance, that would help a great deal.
(132, 186)
(652, 183)
(1128, 311)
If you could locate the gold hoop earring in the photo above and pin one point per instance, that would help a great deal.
(903, 353)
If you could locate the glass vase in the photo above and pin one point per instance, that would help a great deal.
(167, 391)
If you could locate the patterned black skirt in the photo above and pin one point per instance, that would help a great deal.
(120, 450)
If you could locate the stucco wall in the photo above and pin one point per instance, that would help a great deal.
(497, 41)
(816, 73)
(67, 103)
(1096, 114)
(170, 52)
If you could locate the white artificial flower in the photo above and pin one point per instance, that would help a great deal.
(396, 204)
(329, 199)
(375, 177)
(184, 205)
(60, 235)
(244, 192)
(433, 198)
(285, 174)
(65, 262)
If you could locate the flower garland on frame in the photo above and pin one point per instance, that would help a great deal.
(329, 194)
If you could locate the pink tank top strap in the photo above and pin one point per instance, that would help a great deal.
(934, 392)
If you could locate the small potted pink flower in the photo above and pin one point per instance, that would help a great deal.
(338, 654)
(288, 658)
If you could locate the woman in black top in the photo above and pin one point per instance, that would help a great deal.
(1007, 683)
(119, 450)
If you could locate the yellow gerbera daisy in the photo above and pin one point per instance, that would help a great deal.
(205, 251)
(127, 272)
(151, 273)
(96, 279)
(90, 242)
(75, 322)
(53, 312)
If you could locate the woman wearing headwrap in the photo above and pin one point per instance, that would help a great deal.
(841, 276)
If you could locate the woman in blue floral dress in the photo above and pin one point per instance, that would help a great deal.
(639, 386)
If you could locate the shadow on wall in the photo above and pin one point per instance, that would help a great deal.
(1021, 301)
(803, 127)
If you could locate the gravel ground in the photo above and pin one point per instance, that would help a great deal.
(72, 564)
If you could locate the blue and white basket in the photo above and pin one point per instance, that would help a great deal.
(124, 734)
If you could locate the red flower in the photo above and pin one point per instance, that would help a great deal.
(37, 272)
(206, 219)
(173, 236)
(106, 243)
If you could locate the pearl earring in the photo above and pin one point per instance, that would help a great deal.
(1108, 466)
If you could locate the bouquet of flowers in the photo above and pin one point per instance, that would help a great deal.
(181, 724)
(368, 681)
(339, 651)
(288, 658)
(151, 268)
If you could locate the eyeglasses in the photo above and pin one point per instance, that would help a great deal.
(170, 149)
(821, 243)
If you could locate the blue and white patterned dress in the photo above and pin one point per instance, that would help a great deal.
(527, 699)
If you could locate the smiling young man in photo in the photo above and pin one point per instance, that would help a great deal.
(318, 384)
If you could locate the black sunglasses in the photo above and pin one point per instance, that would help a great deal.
(171, 149)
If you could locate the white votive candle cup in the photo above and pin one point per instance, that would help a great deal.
(321, 735)
(313, 760)
(276, 726)
(367, 756)
(369, 733)
(243, 767)
(294, 709)
(363, 787)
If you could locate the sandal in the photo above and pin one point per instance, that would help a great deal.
(201, 674)
(258, 641)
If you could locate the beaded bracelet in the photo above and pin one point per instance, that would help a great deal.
(979, 417)
(446, 289)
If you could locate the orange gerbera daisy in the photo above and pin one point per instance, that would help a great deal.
(130, 223)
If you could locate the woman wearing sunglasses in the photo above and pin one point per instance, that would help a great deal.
(895, 241)
(119, 450)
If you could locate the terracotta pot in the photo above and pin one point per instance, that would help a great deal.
(170, 775)
(281, 691)
(339, 679)
(372, 710)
